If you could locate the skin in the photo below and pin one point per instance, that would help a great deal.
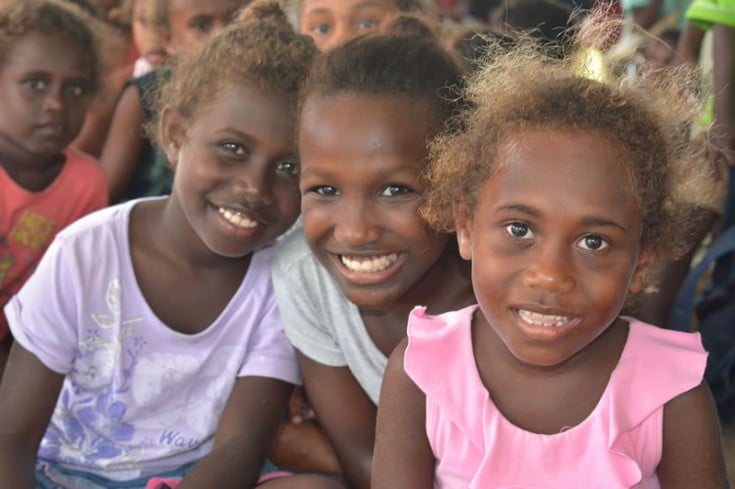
(541, 242)
(45, 95)
(148, 37)
(236, 154)
(192, 22)
(332, 22)
(361, 157)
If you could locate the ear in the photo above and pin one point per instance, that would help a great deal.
(639, 280)
(172, 130)
(463, 221)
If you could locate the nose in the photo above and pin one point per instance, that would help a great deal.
(54, 100)
(342, 32)
(550, 269)
(356, 225)
(252, 184)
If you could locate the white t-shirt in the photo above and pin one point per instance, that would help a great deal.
(139, 398)
(319, 320)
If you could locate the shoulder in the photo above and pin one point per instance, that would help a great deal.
(84, 165)
(98, 224)
(295, 263)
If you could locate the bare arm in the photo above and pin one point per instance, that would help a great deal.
(648, 15)
(722, 133)
(403, 456)
(346, 414)
(245, 431)
(689, 45)
(28, 395)
(692, 446)
(124, 142)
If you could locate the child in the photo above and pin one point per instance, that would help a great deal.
(48, 74)
(332, 22)
(346, 283)
(148, 30)
(151, 326)
(563, 191)
(134, 167)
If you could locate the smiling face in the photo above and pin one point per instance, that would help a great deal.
(192, 22)
(361, 158)
(236, 173)
(45, 90)
(554, 243)
(332, 22)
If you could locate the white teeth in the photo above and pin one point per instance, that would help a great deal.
(537, 319)
(237, 219)
(369, 264)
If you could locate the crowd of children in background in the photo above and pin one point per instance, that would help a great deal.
(349, 243)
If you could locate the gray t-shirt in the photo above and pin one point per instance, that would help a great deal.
(319, 320)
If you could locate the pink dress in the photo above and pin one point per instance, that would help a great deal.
(618, 446)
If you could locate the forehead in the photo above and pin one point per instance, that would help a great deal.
(215, 8)
(263, 116)
(570, 168)
(46, 52)
(363, 131)
(345, 6)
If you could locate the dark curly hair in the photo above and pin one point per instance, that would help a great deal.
(523, 87)
(405, 60)
(49, 18)
(261, 47)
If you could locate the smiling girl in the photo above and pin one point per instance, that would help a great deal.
(563, 192)
(347, 283)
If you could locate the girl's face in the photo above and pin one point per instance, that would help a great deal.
(361, 157)
(554, 243)
(148, 36)
(236, 172)
(332, 22)
(192, 22)
(44, 95)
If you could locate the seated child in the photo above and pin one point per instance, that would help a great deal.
(148, 340)
(563, 192)
(347, 281)
(48, 75)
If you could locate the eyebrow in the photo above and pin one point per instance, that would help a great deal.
(587, 220)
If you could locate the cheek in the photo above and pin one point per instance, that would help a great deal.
(317, 220)
(289, 200)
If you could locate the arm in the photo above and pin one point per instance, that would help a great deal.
(692, 447)
(689, 45)
(28, 395)
(244, 433)
(124, 142)
(92, 137)
(403, 456)
(648, 15)
(347, 415)
(722, 133)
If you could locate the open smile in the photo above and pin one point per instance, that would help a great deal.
(368, 269)
(544, 326)
(238, 219)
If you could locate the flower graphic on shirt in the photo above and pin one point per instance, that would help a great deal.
(95, 366)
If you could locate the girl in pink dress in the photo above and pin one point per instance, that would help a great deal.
(563, 191)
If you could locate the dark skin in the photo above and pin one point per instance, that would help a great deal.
(236, 439)
(360, 196)
(552, 263)
(345, 412)
(228, 158)
(124, 142)
(403, 456)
